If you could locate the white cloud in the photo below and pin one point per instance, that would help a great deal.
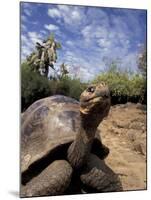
(24, 18)
(27, 8)
(89, 35)
(94, 32)
(35, 22)
(111, 41)
(26, 5)
(28, 12)
(51, 27)
(130, 61)
(54, 13)
(23, 27)
(35, 37)
(25, 51)
(24, 40)
(75, 15)
(26, 46)
(28, 42)
(69, 15)
(64, 8)
(69, 43)
(100, 31)
(43, 32)
(86, 31)
(104, 43)
(140, 45)
(79, 66)
(101, 39)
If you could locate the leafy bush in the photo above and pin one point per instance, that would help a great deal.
(67, 86)
(142, 61)
(138, 88)
(33, 86)
(123, 86)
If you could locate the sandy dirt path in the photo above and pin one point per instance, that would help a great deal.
(124, 132)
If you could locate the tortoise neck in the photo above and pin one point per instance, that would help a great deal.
(80, 149)
(90, 122)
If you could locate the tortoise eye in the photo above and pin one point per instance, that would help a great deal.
(91, 89)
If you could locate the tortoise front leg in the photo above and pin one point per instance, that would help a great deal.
(53, 180)
(99, 177)
(98, 148)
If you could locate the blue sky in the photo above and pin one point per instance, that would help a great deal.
(87, 35)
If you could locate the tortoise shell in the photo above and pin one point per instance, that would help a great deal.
(47, 124)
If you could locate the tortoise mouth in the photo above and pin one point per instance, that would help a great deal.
(95, 104)
(97, 99)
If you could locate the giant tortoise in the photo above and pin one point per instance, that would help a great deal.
(59, 137)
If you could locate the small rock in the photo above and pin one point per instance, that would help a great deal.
(140, 147)
(136, 125)
(116, 131)
(141, 106)
(132, 135)
(121, 124)
(122, 106)
(129, 104)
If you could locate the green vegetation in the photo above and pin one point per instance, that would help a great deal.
(67, 86)
(142, 61)
(35, 86)
(124, 86)
(44, 55)
(142, 66)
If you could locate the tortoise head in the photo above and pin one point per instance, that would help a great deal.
(95, 101)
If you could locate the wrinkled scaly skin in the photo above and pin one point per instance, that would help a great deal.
(48, 183)
(58, 130)
(99, 176)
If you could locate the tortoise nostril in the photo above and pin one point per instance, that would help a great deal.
(106, 96)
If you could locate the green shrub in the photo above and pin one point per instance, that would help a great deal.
(138, 87)
(123, 86)
(67, 86)
(33, 86)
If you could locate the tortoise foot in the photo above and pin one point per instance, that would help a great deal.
(53, 180)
